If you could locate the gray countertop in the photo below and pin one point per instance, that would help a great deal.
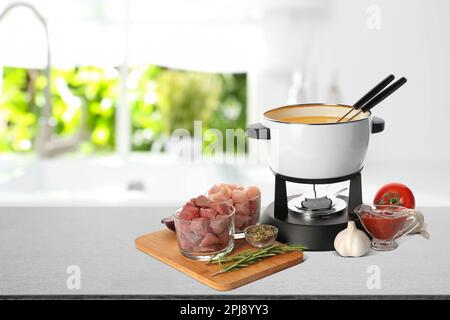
(37, 245)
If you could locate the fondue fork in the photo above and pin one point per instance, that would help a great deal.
(369, 95)
(383, 95)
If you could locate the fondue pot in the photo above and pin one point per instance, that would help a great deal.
(315, 150)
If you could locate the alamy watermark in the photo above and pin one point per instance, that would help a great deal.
(73, 281)
(374, 279)
(209, 145)
(373, 20)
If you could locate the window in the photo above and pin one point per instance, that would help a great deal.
(106, 82)
(163, 100)
(74, 91)
(160, 100)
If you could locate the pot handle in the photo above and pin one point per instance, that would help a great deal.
(258, 131)
(377, 125)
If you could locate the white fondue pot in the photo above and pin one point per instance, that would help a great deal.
(317, 150)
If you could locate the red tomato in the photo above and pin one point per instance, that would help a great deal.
(395, 194)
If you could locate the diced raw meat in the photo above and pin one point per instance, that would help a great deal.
(183, 226)
(191, 203)
(202, 201)
(207, 224)
(219, 224)
(209, 240)
(221, 208)
(229, 202)
(242, 208)
(214, 189)
(200, 226)
(241, 221)
(208, 213)
(224, 239)
(239, 196)
(189, 213)
(213, 197)
(193, 238)
(184, 242)
(254, 219)
(234, 186)
(254, 206)
(252, 192)
(206, 249)
(226, 189)
(221, 196)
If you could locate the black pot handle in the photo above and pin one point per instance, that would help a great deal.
(258, 131)
(377, 125)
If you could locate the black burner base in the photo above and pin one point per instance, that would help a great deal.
(316, 234)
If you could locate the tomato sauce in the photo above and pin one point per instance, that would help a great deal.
(383, 227)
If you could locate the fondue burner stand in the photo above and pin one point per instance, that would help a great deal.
(315, 232)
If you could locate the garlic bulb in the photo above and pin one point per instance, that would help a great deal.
(421, 227)
(352, 242)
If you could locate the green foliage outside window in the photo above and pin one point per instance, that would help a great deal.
(163, 100)
(160, 100)
(85, 89)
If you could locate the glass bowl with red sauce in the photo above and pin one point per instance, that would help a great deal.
(385, 223)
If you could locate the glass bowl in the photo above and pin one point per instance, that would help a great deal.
(385, 223)
(202, 238)
(247, 215)
(261, 241)
(247, 208)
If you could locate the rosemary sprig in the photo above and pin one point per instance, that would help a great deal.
(250, 256)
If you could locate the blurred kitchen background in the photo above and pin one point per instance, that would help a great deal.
(91, 89)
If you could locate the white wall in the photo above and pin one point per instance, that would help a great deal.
(413, 41)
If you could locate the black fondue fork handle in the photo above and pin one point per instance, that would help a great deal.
(384, 94)
(381, 96)
(375, 90)
(369, 95)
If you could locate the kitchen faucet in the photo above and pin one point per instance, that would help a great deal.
(45, 144)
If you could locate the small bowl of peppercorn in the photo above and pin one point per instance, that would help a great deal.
(261, 235)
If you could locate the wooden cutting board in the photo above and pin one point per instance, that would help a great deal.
(163, 246)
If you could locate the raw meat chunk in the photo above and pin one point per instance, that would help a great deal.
(242, 209)
(209, 240)
(219, 224)
(252, 192)
(241, 221)
(189, 213)
(208, 213)
(202, 201)
(239, 196)
(200, 226)
(194, 239)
